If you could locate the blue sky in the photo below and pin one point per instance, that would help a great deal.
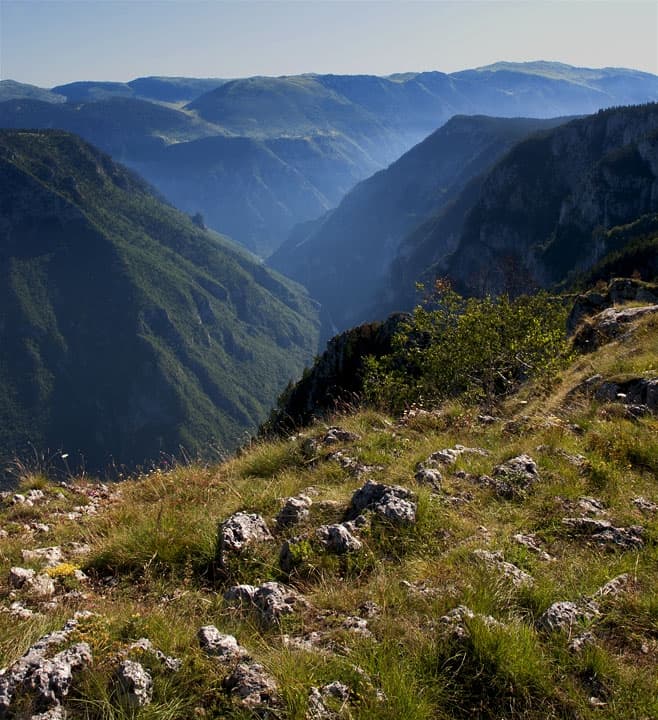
(49, 42)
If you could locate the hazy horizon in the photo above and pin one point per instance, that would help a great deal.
(117, 41)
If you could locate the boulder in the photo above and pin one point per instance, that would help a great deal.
(322, 700)
(429, 476)
(515, 476)
(609, 324)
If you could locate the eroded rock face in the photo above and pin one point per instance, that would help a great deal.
(135, 684)
(252, 686)
(608, 325)
(390, 501)
(239, 531)
(224, 647)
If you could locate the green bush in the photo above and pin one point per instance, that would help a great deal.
(476, 348)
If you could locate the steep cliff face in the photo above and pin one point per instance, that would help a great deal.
(344, 258)
(127, 331)
(544, 210)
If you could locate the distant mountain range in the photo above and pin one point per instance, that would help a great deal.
(127, 330)
(304, 140)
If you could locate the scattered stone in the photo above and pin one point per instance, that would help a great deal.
(390, 501)
(369, 609)
(429, 476)
(310, 448)
(19, 611)
(613, 587)
(565, 614)
(495, 561)
(135, 684)
(352, 465)
(530, 542)
(515, 476)
(644, 505)
(487, 419)
(336, 434)
(47, 557)
(294, 511)
(357, 625)
(272, 600)
(591, 506)
(39, 527)
(338, 539)
(334, 693)
(55, 713)
(580, 642)
(223, 647)
(146, 646)
(456, 622)
(27, 580)
(448, 456)
(251, 686)
(240, 530)
(421, 588)
(310, 642)
(604, 533)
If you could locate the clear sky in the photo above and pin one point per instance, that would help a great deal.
(50, 42)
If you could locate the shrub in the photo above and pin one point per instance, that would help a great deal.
(476, 348)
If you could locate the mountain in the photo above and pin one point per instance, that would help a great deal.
(543, 212)
(12, 90)
(344, 259)
(328, 132)
(158, 89)
(127, 330)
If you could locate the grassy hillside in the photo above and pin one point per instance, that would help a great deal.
(449, 615)
(129, 331)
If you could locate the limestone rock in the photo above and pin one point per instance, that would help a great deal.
(644, 505)
(509, 571)
(455, 623)
(239, 531)
(146, 646)
(516, 475)
(272, 600)
(135, 684)
(224, 647)
(429, 476)
(47, 557)
(605, 533)
(251, 686)
(391, 501)
(449, 456)
(338, 539)
(565, 614)
(334, 694)
(336, 434)
(294, 511)
(530, 542)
